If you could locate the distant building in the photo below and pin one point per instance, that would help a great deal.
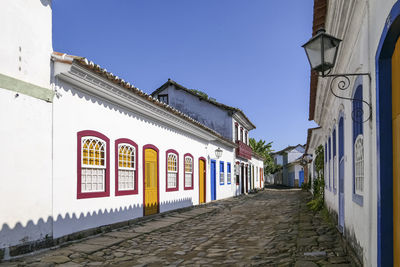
(292, 173)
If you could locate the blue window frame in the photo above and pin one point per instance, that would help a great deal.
(326, 161)
(358, 147)
(329, 162)
(221, 173)
(334, 182)
(228, 175)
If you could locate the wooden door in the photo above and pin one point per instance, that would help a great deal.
(213, 180)
(202, 181)
(396, 152)
(150, 182)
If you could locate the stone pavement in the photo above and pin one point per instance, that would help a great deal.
(269, 228)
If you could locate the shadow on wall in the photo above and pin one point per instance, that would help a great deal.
(46, 2)
(34, 236)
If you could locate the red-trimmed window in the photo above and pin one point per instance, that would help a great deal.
(93, 165)
(126, 162)
(172, 170)
(241, 134)
(245, 137)
(188, 171)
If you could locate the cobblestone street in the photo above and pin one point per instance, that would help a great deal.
(269, 228)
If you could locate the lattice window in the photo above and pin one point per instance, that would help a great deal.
(172, 170)
(228, 175)
(221, 173)
(188, 171)
(359, 164)
(93, 164)
(126, 167)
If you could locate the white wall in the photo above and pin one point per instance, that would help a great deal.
(27, 40)
(25, 158)
(93, 113)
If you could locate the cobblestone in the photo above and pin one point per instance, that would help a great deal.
(270, 228)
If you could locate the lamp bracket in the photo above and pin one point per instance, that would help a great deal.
(342, 81)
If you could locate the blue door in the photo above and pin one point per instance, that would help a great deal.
(213, 180)
(341, 175)
(301, 177)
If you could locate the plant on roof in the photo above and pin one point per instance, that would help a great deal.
(199, 93)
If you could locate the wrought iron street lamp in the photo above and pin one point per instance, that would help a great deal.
(322, 50)
(218, 153)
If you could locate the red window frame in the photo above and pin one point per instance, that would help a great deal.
(184, 171)
(106, 193)
(126, 192)
(166, 170)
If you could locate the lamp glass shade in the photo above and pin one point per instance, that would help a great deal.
(218, 152)
(321, 51)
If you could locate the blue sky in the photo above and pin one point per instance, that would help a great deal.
(244, 53)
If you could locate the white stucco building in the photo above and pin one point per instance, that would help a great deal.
(84, 149)
(361, 149)
(292, 172)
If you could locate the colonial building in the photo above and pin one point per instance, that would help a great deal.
(292, 173)
(358, 116)
(83, 149)
(229, 121)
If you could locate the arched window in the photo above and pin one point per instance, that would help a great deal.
(172, 170)
(188, 171)
(358, 146)
(359, 165)
(125, 167)
(93, 164)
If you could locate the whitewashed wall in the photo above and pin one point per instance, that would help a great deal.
(93, 113)
(25, 158)
(362, 31)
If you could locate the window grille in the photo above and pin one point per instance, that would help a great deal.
(228, 176)
(359, 164)
(221, 173)
(126, 167)
(188, 171)
(172, 170)
(93, 164)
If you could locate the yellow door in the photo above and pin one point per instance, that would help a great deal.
(202, 181)
(151, 182)
(396, 152)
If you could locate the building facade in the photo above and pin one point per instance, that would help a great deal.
(84, 149)
(292, 172)
(361, 148)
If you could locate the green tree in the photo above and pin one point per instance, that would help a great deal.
(264, 149)
(319, 183)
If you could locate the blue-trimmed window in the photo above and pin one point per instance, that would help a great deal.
(326, 169)
(329, 161)
(221, 173)
(358, 147)
(334, 176)
(228, 170)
